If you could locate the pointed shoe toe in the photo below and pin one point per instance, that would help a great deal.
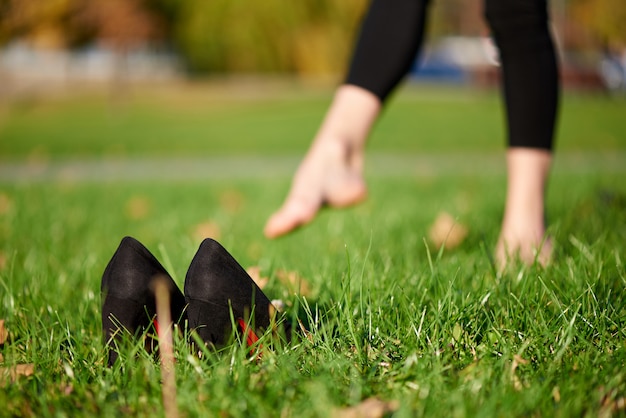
(215, 285)
(128, 301)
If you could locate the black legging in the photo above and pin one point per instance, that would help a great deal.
(391, 37)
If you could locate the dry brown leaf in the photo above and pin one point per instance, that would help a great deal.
(3, 260)
(1, 358)
(517, 360)
(611, 402)
(4, 334)
(208, 229)
(446, 231)
(5, 204)
(138, 207)
(369, 408)
(231, 200)
(255, 274)
(294, 282)
(13, 372)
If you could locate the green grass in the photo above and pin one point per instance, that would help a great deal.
(279, 119)
(391, 316)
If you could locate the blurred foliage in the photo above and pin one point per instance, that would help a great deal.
(45, 23)
(604, 19)
(303, 37)
(55, 24)
(307, 36)
(122, 24)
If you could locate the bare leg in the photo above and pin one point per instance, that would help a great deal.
(332, 170)
(531, 96)
(523, 226)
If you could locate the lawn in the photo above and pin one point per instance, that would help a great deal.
(394, 319)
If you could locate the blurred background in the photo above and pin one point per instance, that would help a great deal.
(60, 44)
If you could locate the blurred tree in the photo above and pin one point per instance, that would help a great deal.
(45, 24)
(604, 19)
(121, 24)
(304, 36)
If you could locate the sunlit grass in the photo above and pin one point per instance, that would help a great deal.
(277, 118)
(430, 332)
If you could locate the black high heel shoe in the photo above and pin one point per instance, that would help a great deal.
(216, 284)
(128, 298)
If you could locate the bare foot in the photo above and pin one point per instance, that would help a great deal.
(329, 175)
(332, 171)
(523, 233)
(523, 246)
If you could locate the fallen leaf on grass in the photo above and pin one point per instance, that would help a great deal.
(231, 200)
(207, 229)
(138, 207)
(446, 231)
(5, 204)
(611, 402)
(517, 360)
(3, 260)
(4, 334)
(369, 408)
(294, 282)
(12, 373)
(255, 273)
